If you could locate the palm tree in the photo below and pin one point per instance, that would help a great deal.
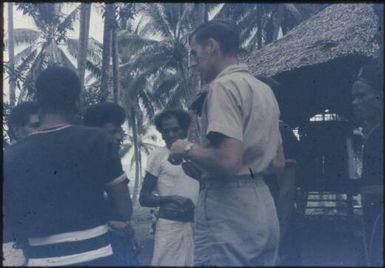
(123, 13)
(139, 141)
(109, 20)
(164, 62)
(11, 56)
(261, 23)
(45, 46)
(85, 15)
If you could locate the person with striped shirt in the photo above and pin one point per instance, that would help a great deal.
(55, 179)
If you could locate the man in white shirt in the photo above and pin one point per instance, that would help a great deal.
(167, 186)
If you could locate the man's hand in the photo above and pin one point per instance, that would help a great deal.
(192, 170)
(122, 228)
(180, 202)
(177, 148)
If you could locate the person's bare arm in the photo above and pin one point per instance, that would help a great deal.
(120, 201)
(148, 199)
(121, 206)
(223, 157)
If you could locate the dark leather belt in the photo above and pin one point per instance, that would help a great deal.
(176, 215)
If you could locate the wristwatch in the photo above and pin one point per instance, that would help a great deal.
(187, 148)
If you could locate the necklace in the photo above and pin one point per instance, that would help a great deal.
(49, 128)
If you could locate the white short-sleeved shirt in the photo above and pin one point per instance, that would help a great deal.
(171, 179)
(241, 107)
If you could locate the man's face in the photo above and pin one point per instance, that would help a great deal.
(32, 125)
(366, 101)
(201, 60)
(115, 131)
(171, 131)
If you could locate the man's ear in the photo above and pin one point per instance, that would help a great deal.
(212, 46)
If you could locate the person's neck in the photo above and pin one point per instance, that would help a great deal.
(52, 120)
(224, 63)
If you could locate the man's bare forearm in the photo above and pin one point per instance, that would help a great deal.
(226, 159)
(151, 200)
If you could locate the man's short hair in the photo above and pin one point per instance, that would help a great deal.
(19, 116)
(371, 75)
(57, 89)
(182, 116)
(226, 33)
(102, 113)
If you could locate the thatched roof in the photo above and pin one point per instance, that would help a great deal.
(337, 31)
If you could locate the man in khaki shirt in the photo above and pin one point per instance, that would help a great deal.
(236, 222)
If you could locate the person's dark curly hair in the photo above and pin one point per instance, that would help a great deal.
(102, 113)
(19, 116)
(57, 90)
(182, 116)
(226, 33)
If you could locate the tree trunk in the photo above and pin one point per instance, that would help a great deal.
(140, 169)
(11, 55)
(85, 14)
(200, 16)
(115, 66)
(136, 156)
(259, 27)
(107, 36)
(277, 19)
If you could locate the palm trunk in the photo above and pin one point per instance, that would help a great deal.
(259, 27)
(11, 55)
(107, 36)
(85, 14)
(136, 156)
(115, 66)
(140, 169)
(200, 16)
(277, 19)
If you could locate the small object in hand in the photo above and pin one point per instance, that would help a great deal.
(175, 160)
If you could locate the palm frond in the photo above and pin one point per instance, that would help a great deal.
(124, 149)
(184, 23)
(147, 103)
(157, 17)
(173, 12)
(26, 62)
(67, 23)
(28, 88)
(22, 55)
(95, 70)
(23, 36)
(94, 51)
(130, 43)
(66, 62)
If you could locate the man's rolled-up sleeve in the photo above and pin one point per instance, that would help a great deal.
(224, 112)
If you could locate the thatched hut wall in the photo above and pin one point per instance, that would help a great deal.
(317, 61)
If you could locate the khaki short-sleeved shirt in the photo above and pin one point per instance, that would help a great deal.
(241, 107)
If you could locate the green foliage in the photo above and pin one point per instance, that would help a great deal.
(260, 22)
(45, 46)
